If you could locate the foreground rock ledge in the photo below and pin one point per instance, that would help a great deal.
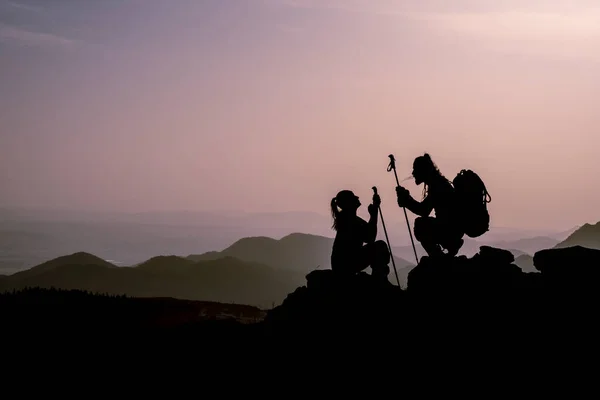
(464, 292)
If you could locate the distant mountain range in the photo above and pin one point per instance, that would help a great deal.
(254, 269)
(257, 271)
(226, 280)
(30, 237)
(298, 252)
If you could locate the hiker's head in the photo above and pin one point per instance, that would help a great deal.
(344, 203)
(424, 169)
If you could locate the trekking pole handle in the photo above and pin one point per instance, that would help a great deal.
(392, 166)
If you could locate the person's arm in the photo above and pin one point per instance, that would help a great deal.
(371, 226)
(370, 233)
(422, 208)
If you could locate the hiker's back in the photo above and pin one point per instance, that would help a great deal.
(348, 240)
(444, 201)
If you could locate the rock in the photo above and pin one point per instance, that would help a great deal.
(490, 270)
(567, 261)
(328, 302)
(320, 279)
(457, 295)
(493, 255)
(570, 274)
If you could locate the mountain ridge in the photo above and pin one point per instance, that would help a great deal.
(224, 280)
(298, 251)
(588, 235)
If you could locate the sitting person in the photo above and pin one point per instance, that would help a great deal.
(355, 247)
(443, 231)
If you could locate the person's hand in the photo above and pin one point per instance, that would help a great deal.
(372, 208)
(376, 200)
(403, 195)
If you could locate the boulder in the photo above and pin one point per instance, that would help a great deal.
(333, 303)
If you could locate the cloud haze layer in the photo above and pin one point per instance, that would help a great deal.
(274, 105)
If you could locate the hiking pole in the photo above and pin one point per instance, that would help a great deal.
(392, 166)
(387, 239)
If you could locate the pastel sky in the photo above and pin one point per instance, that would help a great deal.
(275, 105)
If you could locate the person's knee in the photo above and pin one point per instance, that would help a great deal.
(421, 229)
(381, 271)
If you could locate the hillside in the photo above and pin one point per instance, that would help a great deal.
(164, 264)
(560, 236)
(38, 309)
(227, 279)
(586, 236)
(298, 252)
(81, 259)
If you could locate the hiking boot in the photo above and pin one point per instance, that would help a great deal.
(380, 271)
(454, 248)
(433, 250)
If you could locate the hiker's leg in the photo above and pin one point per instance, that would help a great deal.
(380, 260)
(361, 260)
(425, 233)
(348, 264)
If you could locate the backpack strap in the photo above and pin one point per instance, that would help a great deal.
(486, 194)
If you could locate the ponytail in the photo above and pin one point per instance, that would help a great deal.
(338, 214)
(335, 212)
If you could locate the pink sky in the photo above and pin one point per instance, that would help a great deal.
(275, 105)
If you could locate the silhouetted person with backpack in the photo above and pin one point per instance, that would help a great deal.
(355, 247)
(444, 230)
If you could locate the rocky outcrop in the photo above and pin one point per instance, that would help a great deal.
(457, 294)
(336, 305)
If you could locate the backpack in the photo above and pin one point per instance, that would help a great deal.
(472, 198)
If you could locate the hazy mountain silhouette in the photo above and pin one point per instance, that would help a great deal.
(525, 262)
(528, 245)
(498, 234)
(297, 252)
(227, 279)
(30, 237)
(587, 236)
(164, 263)
(562, 235)
(80, 259)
